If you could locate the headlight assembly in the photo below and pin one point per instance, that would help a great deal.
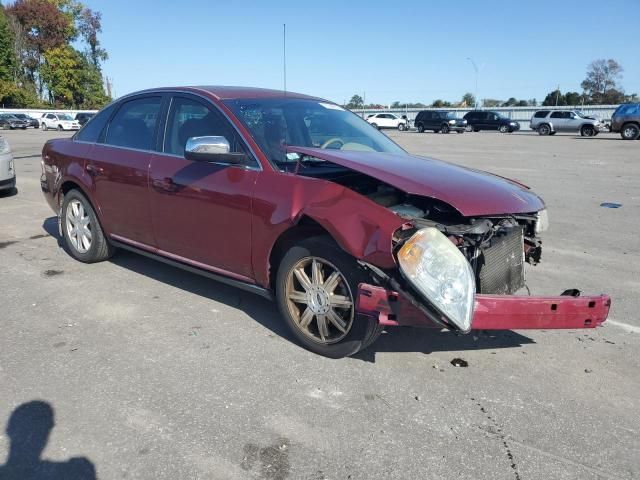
(4, 146)
(542, 222)
(439, 271)
(452, 122)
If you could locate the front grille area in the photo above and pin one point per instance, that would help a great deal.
(501, 265)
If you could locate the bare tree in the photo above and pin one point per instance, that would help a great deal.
(602, 78)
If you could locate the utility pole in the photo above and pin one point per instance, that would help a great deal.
(557, 94)
(475, 68)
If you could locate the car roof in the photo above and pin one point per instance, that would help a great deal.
(230, 92)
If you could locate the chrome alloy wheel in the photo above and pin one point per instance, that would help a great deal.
(78, 226)
(320, 300)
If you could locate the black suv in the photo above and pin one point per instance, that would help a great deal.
(439, 121)
(477, 121)
(84, 117)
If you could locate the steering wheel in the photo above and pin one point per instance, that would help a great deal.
(333, 140)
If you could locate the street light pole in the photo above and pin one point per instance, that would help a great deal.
(475, 67)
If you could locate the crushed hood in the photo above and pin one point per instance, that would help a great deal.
(471, 192)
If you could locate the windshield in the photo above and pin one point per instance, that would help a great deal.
(64, 116)
(280, 122)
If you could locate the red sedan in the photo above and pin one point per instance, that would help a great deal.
(294, 198)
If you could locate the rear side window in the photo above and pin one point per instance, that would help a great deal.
(92, 129)
(134, 124)
(541, 114)
(557, 115)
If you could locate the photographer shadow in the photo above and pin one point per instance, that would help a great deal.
(28, 430)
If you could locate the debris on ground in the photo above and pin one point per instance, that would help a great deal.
(459, 362)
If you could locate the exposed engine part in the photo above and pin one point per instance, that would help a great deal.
(407, 211)
(500, 265)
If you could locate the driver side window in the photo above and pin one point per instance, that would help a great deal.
(190, 118)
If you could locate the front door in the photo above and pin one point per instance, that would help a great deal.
(119, 165)
(202, 211)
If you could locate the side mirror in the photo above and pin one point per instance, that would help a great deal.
(213, 149)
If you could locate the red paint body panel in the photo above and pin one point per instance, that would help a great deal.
(471, 192)
(492, 312)
(203, 211)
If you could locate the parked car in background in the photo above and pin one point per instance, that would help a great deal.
(387, 120)
(295, 198)
(626, 121)
(7, 169)
(8, 121)
(58, 121)
(32, 122)
(439, 121)
(84, 117)
(483, 120)
(549, 122)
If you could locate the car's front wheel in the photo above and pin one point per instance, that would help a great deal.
(316, 288)
(630, 131)
(468, 128)
(401, 127)
(82, 234)
(43, 126)
(504, 129)
(587, 131)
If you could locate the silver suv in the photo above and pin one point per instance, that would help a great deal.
(548, 122)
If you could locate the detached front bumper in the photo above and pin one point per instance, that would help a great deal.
(491, 312)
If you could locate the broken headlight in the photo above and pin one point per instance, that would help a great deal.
(440, 272)
(542, 221)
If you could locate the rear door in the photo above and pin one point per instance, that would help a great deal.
(493, 121)
(119, 164)
(559, 120)
(201, 210)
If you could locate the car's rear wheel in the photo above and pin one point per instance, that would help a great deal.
(544, 129)
(82, 234)
(587, 131)
(503, 129)
(316, 289)
(420, 128)
(630, 131)
(444, 128)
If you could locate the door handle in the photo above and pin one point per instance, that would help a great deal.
(165, 184)
(93, 170)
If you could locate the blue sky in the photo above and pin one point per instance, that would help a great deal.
(406, 51)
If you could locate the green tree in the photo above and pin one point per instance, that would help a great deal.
(355, 102)
(554, 98)
(61, 72)
(441, 104)
(12, 96)
(469, 100)
(7, 55)
(491, 102)
(572, 98)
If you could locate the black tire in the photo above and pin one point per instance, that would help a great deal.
(469, 128)
(60, 128)
(375, 125)
(445, 128)
(363, 331)
(552, 133)
(504, 129)
(459, 131)
(43, 126)
(476, 130)
(100, 248)
(23, 128)
(544, 129)
(401, 127)
(420, 128)
(587, 131)
(630, 131)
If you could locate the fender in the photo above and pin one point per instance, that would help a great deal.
(360, 226)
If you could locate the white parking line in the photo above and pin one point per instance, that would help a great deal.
(626, 326)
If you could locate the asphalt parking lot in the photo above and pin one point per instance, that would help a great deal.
(157, 373)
